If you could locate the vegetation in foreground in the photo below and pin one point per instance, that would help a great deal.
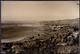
(53, 39)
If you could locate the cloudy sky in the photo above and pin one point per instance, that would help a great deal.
(38, 10)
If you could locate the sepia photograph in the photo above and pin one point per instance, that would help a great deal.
(40, 27)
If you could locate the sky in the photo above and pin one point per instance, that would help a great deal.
(38, 10)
